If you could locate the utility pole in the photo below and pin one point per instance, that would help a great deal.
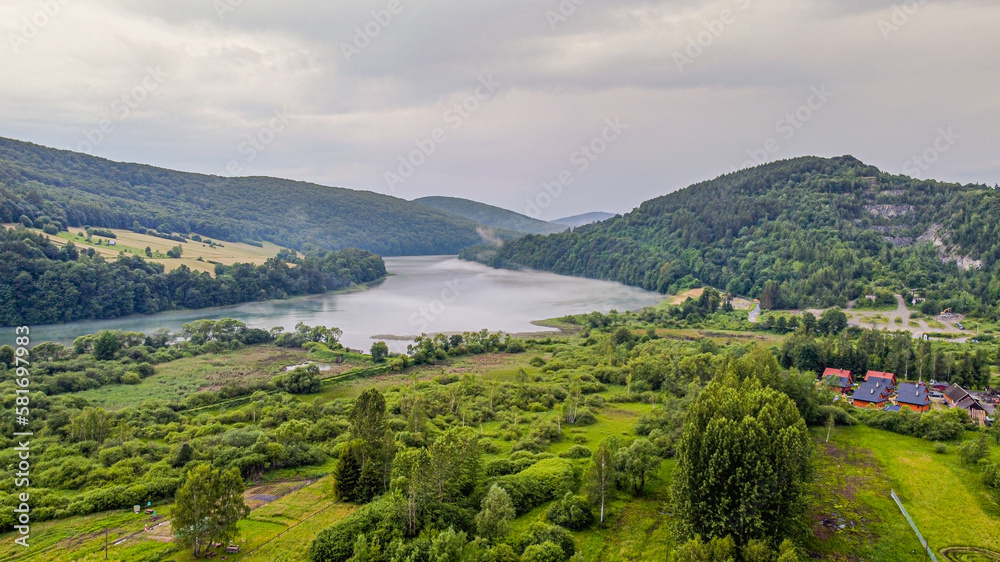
(105, 543)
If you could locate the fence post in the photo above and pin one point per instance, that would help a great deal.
(927, 549)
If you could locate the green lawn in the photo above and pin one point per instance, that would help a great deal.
(856, 472)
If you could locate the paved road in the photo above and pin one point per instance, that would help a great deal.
(755, 312)
(863, 318)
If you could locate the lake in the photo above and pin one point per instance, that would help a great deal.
(425, 294)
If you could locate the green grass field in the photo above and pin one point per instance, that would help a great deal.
(856, 472)
(129, 242)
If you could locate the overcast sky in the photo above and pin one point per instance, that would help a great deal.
(622, 100)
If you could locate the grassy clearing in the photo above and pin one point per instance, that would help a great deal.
(637, 528)
(181, 378)
(279, 531)
(947, 500)
(129, 242)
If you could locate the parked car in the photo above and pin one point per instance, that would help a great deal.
(935, 395)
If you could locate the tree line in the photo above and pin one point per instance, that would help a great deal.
(42, 283)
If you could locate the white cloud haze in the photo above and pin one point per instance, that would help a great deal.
(703, 87)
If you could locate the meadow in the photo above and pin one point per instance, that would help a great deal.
(196, 255)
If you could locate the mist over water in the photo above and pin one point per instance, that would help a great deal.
(425, 294)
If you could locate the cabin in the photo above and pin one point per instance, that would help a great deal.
(891, 378)
(978, 410)
(839, 380)
(873, 393)
(913, 396)
(955, 394)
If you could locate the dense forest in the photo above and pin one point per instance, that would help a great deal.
(42, 283)
(75, 189)
(796, 233)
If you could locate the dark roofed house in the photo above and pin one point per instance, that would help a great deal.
(873, 393)
(954, 394)
(839, 380)
(913, 396)
(880, 375)
(958, 397)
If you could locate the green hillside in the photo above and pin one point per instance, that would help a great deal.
(74, 189)
(803, 232)
(489, 215)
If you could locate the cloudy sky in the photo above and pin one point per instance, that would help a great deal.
(607, 103)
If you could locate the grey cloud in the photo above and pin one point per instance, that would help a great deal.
(352, 120)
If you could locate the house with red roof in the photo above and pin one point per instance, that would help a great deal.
(880, 375)
(839, 380)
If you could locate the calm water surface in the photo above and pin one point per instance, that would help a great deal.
(424, 294)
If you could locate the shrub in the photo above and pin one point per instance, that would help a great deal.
(974, 451)
(576, 452)
(540, 533)
(571, 512)
(336, 543)
(540, 483)
(547, 551)
(940, 448)
(536, 361)
(131, 377)
(300, 380)
(585, 417)
(500, 467)
(515, 346)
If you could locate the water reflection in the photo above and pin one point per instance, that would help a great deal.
(424, 294)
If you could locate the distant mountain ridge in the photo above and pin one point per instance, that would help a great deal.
(490, 215)
(585, 218)
(74, 189)
(797, 233)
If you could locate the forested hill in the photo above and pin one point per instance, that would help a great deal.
(803, 232)
(42, 283)
(489, 215)
(75, 189)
